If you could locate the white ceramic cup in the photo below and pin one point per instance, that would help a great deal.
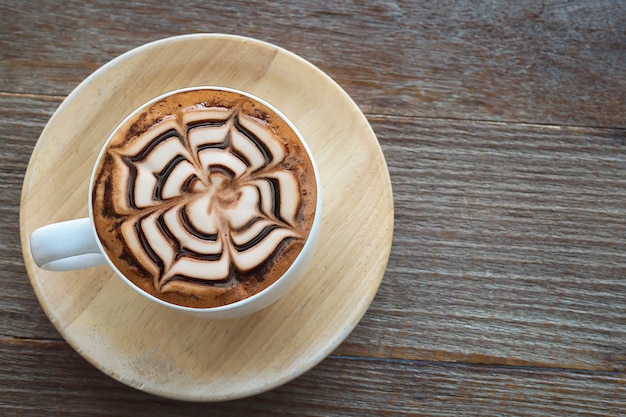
(74, 244)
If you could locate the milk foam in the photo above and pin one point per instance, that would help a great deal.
(206, 196)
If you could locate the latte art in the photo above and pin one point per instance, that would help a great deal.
(206, 198)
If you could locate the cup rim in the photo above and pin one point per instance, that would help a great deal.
(310, 239)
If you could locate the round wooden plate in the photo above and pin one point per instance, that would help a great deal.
(171, 354)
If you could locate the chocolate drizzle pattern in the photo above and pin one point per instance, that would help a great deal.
(205, 197)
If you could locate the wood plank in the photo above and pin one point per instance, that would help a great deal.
(509, 243)
(509, 246)
(549, 62)
(504, 293)
(43, 378)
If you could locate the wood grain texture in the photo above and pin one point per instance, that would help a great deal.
(503, 129)
(339, 386)
(19, 316)
(543, 62)
(509, 245)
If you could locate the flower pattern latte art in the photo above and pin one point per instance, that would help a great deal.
(207, 196)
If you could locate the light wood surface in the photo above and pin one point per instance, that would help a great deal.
(171, 353)
(502, 124)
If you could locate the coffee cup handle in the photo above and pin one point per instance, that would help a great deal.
(66, 246)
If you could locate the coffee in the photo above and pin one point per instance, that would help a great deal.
(204, 198)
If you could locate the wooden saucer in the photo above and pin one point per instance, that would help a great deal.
(171, 354)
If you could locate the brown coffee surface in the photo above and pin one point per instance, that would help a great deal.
(204, 198)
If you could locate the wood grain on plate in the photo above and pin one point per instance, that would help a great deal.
(169, 352)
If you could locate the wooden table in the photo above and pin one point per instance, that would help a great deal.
(503, 125)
